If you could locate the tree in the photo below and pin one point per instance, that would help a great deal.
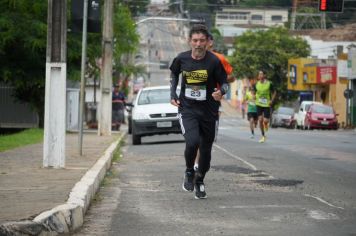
(23, 38)
(268, 50)
(126, 43)
(23, 42)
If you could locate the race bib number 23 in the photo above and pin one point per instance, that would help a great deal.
(195, 92)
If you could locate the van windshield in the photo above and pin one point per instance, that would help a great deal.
(155, 96)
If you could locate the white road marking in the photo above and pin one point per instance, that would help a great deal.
(323, 201)
(320, 215)
(258, 206)
(236, 157)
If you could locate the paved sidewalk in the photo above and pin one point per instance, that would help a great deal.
(36, 200)
(27, 189)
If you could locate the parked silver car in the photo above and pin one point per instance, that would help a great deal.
(152, 113)
(283, 117)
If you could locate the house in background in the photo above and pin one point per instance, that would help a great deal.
(240, 17)
(232, 22)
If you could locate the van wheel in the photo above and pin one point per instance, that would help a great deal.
(136, 139)
(129, 128)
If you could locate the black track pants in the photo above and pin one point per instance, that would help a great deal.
(199, 133)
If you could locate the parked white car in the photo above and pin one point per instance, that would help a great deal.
(302, 111)
(152, 113)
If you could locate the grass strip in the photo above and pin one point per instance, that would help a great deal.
(23, 138)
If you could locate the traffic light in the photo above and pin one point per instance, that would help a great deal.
(331, 5)
(94, 23)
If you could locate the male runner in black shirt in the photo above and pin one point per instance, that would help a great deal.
(198, 104)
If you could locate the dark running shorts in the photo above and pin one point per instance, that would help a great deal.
(252, 115)
(264, 111)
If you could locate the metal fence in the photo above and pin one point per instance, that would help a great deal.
(14, 114)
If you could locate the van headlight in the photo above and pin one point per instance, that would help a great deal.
(140, 116)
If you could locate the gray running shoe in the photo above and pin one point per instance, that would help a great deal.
(188, 181)
(200, 191)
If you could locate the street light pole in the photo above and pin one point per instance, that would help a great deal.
(82, 75)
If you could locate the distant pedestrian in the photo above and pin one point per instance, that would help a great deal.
(198, 104)
(118, 107)
(243, 104)
(250, 100)
(265, 95)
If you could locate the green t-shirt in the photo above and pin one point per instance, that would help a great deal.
(251, 105)
(263, 93)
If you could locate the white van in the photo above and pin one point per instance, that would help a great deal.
(302, 111)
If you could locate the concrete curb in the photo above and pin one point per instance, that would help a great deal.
(69, 216)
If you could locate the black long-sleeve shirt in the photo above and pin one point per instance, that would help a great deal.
(199, 80)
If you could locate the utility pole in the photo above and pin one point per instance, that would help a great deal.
(105, 104)
(55, 94)
(82, 75)
(351, 85)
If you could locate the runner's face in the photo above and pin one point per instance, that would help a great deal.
(261, 76)
(198, 43)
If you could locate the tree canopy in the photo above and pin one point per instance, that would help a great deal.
(23, 37)
(268, 50)
(23, 42)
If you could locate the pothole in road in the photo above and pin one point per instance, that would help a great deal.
(279, 182)
(265, 179)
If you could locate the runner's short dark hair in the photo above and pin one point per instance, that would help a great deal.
(210, 36)
(199, 29)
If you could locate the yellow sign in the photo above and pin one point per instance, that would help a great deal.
(296, 76)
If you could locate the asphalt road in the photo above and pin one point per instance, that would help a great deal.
(297, 183)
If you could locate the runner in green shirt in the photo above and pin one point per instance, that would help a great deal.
(265, 95)
(250, 99)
